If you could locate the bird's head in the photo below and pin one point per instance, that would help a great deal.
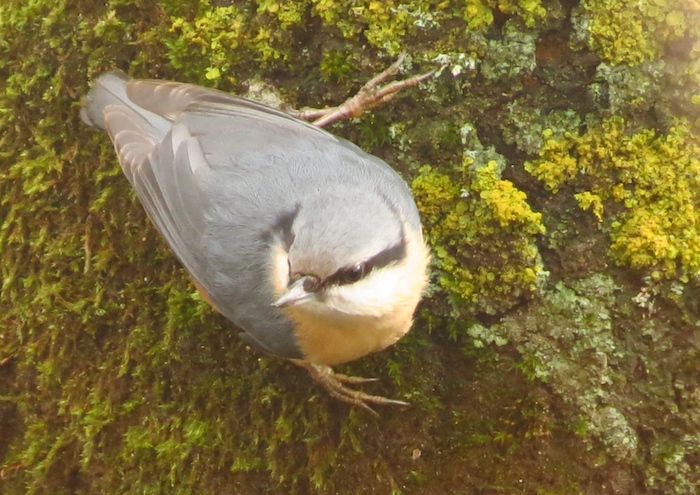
(343, 256)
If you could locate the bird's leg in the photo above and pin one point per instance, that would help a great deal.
(369, 96)
(335, 384)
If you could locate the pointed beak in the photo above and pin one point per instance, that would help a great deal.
(295, 294)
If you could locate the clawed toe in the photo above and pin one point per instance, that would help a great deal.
(369, 96)
(335, 384)
(353, 379)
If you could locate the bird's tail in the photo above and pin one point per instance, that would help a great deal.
(110, 89)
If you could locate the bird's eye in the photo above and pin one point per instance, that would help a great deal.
(349, 275)
(355, 273)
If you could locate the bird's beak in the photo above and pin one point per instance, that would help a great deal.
(295, 294)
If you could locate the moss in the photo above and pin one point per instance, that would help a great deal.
(204, 46)
(118, 378)
(335, 66)
(484, 235)
(216, 34)
(641, 186)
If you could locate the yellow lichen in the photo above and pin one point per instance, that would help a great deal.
(653, 180)
(630, 32)
(479, 14)
(483, 235)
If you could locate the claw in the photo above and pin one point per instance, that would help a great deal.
(353, 379)
(368, 97)
(334, 383)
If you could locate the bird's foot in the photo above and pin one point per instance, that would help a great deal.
(335, 384)
(369, 96)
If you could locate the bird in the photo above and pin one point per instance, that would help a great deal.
(310, 246)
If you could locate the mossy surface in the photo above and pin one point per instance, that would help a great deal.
(554, 158)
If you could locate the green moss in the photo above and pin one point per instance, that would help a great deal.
(117, 378)
(204, 47)
(483, 235)
(335, 66)
(630, 32)
(642, 187)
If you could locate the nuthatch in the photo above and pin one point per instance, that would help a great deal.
(308, 244)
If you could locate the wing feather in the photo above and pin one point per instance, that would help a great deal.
(165, 177)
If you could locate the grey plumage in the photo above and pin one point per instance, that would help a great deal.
(218, 173)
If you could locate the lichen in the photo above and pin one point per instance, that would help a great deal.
(479, 14)
(383, 24)
(525, 126)
(569, 343)
(511, 56)
(484, 233)
(631, 32)
(626, 90)
(641, 186)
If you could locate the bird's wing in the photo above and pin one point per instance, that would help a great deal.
(166, 177)
(205, 206)
(172, 99)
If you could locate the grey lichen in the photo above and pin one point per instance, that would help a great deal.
(568, 342)
(511, 56)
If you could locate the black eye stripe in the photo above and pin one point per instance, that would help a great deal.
(352, 274)
(392, 254)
